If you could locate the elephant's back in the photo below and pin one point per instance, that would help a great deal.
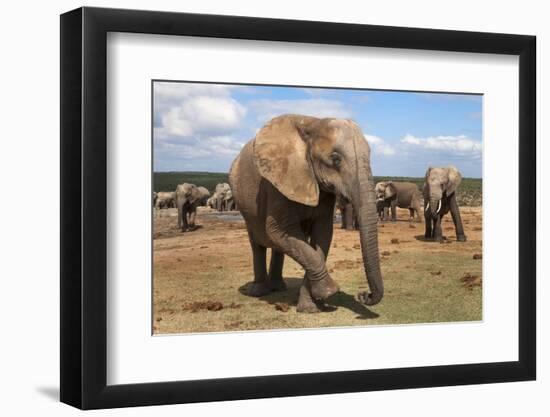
(407, 192)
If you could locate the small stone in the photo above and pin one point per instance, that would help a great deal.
(214, 306)
(395, 240)
(386, 253)
(477, 256)
(284, 307)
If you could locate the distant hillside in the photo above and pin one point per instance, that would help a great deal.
(168, 181)
(469, 194)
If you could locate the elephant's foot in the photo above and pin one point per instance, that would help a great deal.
(306, 304)
(323, 288)
(461, 238)
(258, 289)
(278, 285)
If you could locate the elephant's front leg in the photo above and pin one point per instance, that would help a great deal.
(288, 237)
(394, 210)
(260, 286)
(455, 214)
(182, 219)
(437, 232)
(320, 240)
(192, 216)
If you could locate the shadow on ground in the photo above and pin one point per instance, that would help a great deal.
(290, 297)
(50, 392)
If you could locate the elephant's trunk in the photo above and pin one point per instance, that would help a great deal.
(435, 206)
(364, 204)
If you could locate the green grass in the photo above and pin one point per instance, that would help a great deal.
(469, 193)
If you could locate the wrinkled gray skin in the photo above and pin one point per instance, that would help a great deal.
(284, 182)
(165, 199)
(155, 196)
(188, 198)
(439, 198)
(393, 194)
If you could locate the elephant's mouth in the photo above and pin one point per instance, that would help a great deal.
(436, 207)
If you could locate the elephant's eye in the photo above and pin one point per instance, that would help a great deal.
(336, 159)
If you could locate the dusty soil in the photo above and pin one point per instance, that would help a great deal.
(201, 277)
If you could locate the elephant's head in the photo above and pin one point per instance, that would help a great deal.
(302, 155)
(385, 190)
(439, 183)
(187, 194)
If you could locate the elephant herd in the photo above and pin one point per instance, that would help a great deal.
(188, 197)
(288, 179)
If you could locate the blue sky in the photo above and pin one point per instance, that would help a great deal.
(202, 127)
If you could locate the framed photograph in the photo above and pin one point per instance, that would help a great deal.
(258, 208)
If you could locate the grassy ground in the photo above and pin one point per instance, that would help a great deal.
(469, 193)
(200, 278)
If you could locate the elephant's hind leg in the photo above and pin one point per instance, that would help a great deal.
(261, 285)
(276, 271)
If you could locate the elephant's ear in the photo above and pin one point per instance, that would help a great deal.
(390, 190)
(455, 178)
(281, 156)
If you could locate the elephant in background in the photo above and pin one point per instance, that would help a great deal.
(229, 201)
(205, 196)
(349, 219)
(218, 198)
(165, 199)
(211, 202)
(439, 191)
(393, 194)
(188, 198)
(285, 183)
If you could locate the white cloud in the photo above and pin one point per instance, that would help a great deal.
(317, 107)
(203, 114)
(196, 121)
(380, 146)
(460, 145)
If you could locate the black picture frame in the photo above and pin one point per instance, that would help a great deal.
(84, 207)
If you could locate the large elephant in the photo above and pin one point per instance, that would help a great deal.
(188, 198)
(284, 182)
(165, 199)
(392, 194)
(439, 198)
